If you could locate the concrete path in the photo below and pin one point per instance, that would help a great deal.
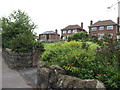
(0, 69)
(11, 78)
(30, 75)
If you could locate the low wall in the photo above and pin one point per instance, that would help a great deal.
(54, 77)
(17, 60)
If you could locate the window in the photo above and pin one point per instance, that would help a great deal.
(69, 31)
(101, 28)
(64, 31)
(74, 30)
(94, 28)
(109, 27)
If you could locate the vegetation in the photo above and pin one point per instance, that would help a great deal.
(78, 36)
(17, 32)
(108, 58)
(86, 60)
(83, 58)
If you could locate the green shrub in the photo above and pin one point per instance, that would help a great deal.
(83, 60)
(109, 58)
(22, 43)
(49, 41)
(72, 56)
(78, 36)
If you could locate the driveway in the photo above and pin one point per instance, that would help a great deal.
(11, 78)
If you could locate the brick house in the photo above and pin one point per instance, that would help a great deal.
(71, 29)
(49, 36)
(101, 27)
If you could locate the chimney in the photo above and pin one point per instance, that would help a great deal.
(56, 31)
(91, 22)
(118, 19)
(81, 24)
(118, 22)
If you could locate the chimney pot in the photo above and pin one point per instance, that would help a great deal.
(81, 24)
(56, 31)
(91, 22)
(118, 22)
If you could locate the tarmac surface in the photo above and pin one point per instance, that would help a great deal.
(11, 78)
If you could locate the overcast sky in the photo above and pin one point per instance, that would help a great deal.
(57, 14)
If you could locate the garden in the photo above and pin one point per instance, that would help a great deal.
(80, 56)
(86, 59)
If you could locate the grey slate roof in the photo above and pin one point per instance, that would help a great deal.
(48, 32)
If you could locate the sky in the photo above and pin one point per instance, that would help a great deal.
(57, 14)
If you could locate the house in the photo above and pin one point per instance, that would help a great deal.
(71, 29)
(101, 27)
(49, 36)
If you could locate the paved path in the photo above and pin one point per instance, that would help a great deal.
(11, 78)
(0, 68)
(30, 75)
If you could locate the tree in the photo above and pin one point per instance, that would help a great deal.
(17, 32)
(78, 36)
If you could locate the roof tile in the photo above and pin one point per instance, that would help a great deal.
(72, 27)
(105, 22)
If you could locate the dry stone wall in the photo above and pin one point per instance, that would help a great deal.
(54, 77)
(17, 60)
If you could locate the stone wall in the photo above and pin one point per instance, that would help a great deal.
(54, 77)
(17, 60)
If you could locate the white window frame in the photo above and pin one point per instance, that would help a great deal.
(110, 27)
(69, 31)
(74, 30)
(64, 31)
(101, 28)
(94, 28)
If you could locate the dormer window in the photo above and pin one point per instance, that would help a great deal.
(64, 31)
(94, 28)
(110, 27)
(74, 30)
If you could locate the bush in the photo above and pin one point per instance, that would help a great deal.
(22, 43)
(73, 57)
(83, 60)
(78, 36)
(109, 58)
(39, 46)
(49, 41)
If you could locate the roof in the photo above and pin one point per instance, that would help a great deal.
(49, 32)
(72, 27)
(104, 22)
